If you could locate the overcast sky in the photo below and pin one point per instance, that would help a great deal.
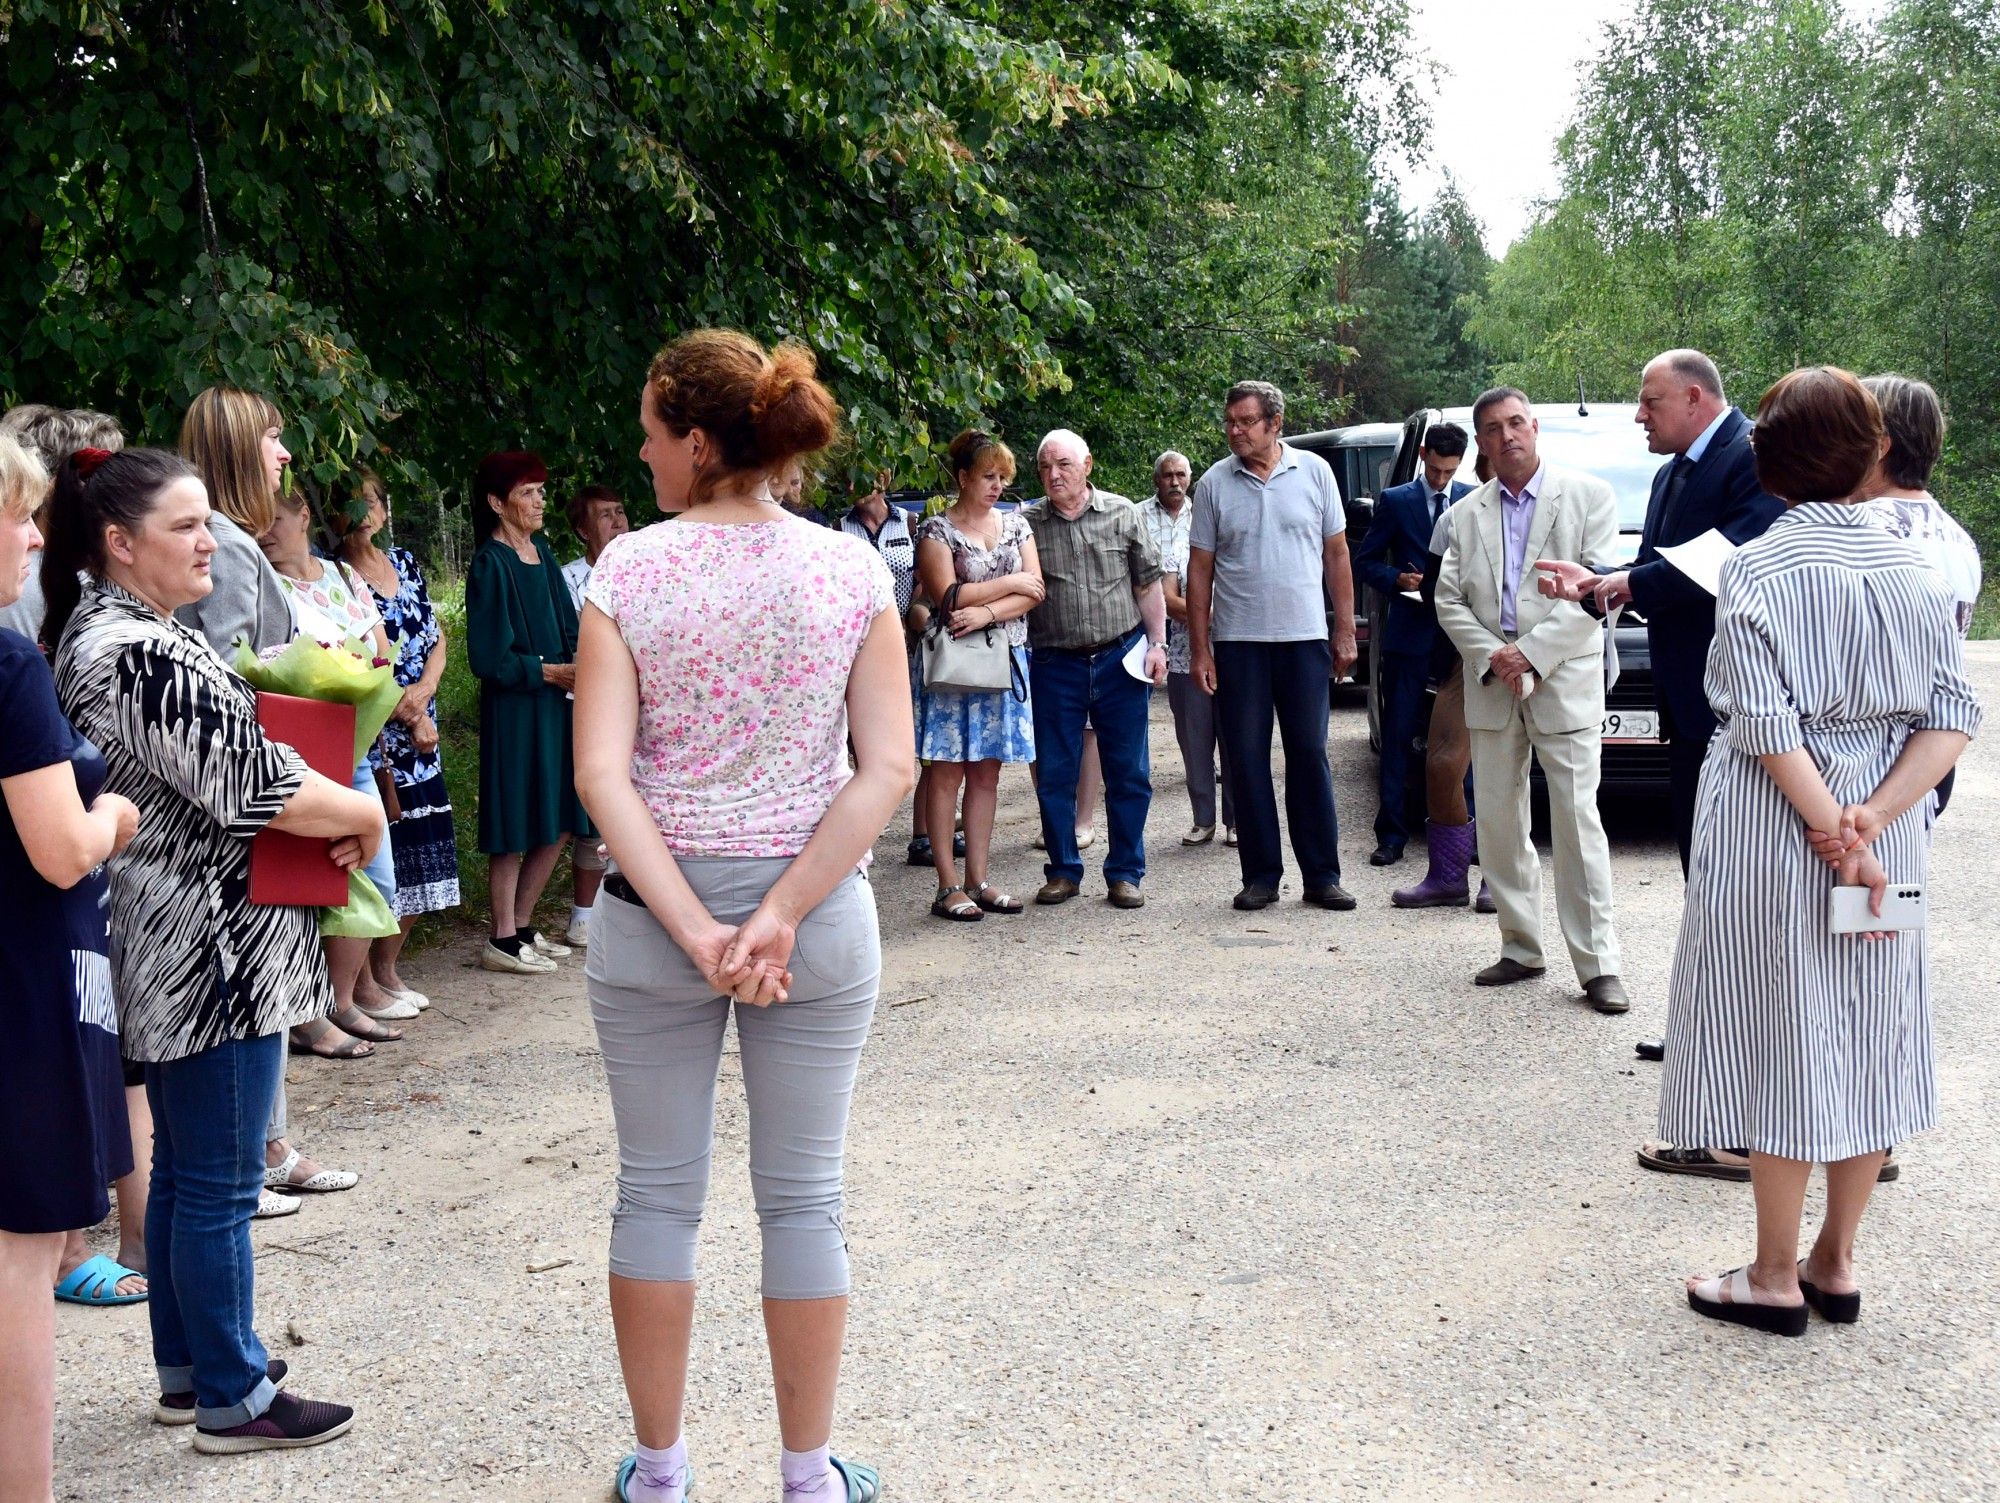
(1511, 76)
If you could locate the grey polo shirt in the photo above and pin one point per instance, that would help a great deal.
(1269, 539)
(1091, 565)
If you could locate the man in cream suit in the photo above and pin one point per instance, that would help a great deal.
(1534, 680)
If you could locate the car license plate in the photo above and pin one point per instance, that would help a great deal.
(1631, 725)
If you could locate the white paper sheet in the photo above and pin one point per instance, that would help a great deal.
(1701, 559)
(1611, 666)
(1135, 660)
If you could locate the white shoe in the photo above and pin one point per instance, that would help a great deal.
(403, 994)
(522, 962)
(1229, 836)
(1086, 838)
(579, 933)
(270, 1203)
(399, 1010)
(279, 1177)
(1199, 835)
(546, 946)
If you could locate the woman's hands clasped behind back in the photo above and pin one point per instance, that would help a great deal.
(1847, 851)
(747, 962)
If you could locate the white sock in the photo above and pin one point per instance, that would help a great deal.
(661, 1476)
(579, 916)
(810, 1477)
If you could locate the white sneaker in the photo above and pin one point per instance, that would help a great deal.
(579, 933)
(522, 962)
(548, 947)
(270, 1203)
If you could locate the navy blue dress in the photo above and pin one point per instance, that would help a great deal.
(62, 1099)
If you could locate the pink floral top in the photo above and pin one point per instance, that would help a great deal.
(743, 637)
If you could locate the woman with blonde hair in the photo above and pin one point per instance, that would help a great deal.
(982, 561)
(727, 654)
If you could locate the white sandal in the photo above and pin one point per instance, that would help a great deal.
(279, 1177)
(270, 1203)
(415, 999)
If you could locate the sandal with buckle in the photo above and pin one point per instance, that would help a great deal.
(326, 1182)
(963, 912)
(1729, 1297)
(984, 896)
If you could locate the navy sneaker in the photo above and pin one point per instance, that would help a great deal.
(288, 1424)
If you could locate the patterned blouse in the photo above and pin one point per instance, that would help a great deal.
(412, 624)
(193, 963)
(974, 564)
(743, 637)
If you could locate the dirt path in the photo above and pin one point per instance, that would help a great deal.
(1275, 1202)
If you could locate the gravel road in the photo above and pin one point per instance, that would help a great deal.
(1172, 1203)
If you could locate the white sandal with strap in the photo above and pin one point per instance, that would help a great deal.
(279, 1177)
(1729, 1296)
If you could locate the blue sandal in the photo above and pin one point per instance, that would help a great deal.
(864, 1483)
(630, 1465)
(95, 1282)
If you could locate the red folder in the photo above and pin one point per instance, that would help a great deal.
(296, 869)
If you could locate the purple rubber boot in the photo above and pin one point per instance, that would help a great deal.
(1445, 884)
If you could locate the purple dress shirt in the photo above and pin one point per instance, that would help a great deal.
(1517, 518)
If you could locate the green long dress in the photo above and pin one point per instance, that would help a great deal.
(518, 616)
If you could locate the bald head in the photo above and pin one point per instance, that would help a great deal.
(1680, 395)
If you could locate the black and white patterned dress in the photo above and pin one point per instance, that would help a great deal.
(1834, 636)
(193, 963)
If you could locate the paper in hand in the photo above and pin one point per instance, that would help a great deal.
(1135, 660)
(1524, 685)
(1701, 559)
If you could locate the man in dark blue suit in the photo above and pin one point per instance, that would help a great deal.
(1392, 562)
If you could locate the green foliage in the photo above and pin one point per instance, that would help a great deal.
(1774, 184)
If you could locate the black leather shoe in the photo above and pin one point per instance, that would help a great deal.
(1255, 896)
(1505, 972)
(1386, 854)
(1651, 1049)
(1607, 994)
(1333, 896)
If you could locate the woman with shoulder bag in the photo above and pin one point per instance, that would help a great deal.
(980, 564)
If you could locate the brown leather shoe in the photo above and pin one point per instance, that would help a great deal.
(1056, 890)
(1607, 994)
(1505, 972)
(1125, 895)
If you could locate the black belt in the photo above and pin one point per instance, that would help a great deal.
(1087, 652)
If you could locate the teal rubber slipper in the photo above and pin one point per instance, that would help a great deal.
(95, 1282)
(621, 1488)
(864, 1483)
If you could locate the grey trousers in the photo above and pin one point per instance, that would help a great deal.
(660, 1026)
(1194, 729)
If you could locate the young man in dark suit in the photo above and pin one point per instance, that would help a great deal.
(1392, 562)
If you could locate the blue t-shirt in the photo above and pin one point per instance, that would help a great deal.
(62, 1101)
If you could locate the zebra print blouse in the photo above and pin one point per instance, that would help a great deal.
(193, 963)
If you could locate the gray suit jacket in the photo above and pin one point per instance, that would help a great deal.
(1576, 517)
(246, 602)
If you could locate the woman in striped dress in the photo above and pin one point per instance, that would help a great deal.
(1837, 677)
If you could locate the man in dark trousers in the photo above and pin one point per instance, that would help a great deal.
(1710, 484)
(1391, 561)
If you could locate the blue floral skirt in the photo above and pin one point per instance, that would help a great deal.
(976, 727)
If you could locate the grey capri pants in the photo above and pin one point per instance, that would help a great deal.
(660, 1026)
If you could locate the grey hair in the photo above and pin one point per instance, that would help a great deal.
(52, 434)
(1160, 463)
(1063, 436)
(1270, 401)
(1692, 367)
(1913, 417)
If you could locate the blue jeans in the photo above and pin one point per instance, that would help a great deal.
(209, 1112)
(1255, 681)
(1066, 690)
(1405, 712)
